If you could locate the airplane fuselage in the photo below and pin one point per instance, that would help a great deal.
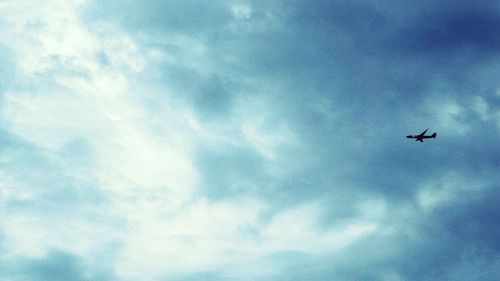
(422, 136)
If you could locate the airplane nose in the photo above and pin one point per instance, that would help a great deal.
(410, 136)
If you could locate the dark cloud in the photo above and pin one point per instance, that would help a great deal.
(455, 26)
(473, 220)
(55, 265)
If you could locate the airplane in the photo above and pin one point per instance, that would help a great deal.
(422, 136)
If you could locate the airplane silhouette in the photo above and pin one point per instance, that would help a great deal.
(422, 136)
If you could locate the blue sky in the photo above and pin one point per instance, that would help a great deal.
(249, 140)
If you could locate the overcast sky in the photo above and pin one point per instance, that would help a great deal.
(249, 140)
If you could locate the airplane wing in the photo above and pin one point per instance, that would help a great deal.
(423, 133)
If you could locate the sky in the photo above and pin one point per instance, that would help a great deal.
(243, 140)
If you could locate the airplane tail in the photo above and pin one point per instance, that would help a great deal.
(433, 135)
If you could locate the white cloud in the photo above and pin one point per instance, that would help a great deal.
(241, 11)
(484, 111)
(96, 105)
(446, 113)
(205, 236)
(451, 187)
(298, 229)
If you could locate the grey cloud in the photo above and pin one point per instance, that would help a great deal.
(213, 97)
(313, 56)
(355, 55)
(163, 16)
(473, 220)
(230, 171)
(55, 265)
(374, 67)
(453, 26)
(435, 246)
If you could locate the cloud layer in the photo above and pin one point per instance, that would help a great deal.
(246, 140)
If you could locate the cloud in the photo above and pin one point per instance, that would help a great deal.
(461, 26)
(239, 140)
(55, 265)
